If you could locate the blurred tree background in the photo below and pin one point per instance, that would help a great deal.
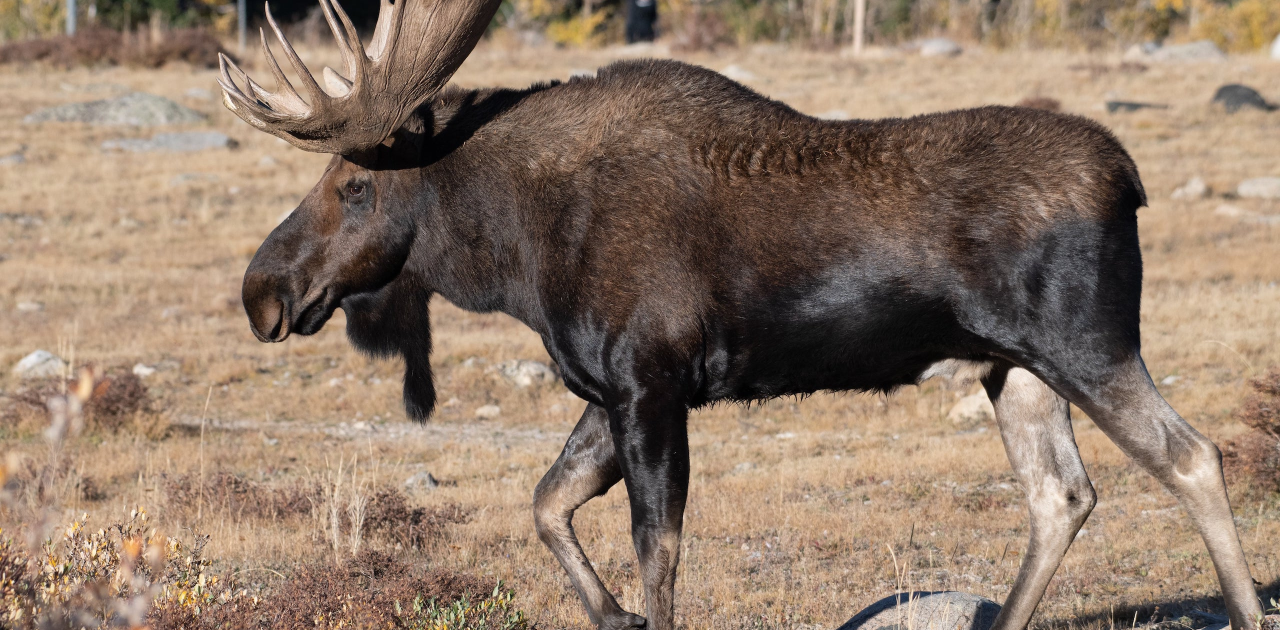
(1235, 25)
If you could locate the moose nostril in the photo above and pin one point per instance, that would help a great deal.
(275, 313)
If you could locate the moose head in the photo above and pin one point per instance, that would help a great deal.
(348, 240)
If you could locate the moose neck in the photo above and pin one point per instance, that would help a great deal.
(474, 246)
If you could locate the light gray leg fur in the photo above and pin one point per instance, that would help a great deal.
(1035, 424)
(587, 468)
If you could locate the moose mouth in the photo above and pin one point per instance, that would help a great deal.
(276, 320)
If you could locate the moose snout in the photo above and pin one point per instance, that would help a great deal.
(267, 308)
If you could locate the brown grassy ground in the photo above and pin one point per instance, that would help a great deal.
(795, 506)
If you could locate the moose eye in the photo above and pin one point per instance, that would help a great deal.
(355, 190)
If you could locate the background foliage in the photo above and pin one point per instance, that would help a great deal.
(1236, 25)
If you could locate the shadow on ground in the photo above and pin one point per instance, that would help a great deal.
(1204, 611)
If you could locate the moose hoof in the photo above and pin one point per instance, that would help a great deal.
(624, 621)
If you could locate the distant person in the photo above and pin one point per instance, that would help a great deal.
(641, 14)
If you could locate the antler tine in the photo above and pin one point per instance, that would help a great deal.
(387, 14)
(347, 37)
(282, 82)
(318, 97)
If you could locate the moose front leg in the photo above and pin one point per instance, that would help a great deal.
(587, 468)
(653, 451)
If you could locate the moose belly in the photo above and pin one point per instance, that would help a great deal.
(838, 336)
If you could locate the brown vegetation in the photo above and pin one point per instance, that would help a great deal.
(1254, 458)
(105, 47)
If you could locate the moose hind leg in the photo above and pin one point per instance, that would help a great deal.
(587, 468)
(1035, 424)
(1129, 409)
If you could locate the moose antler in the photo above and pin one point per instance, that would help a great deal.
(417, 45)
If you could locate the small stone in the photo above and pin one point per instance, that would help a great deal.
(1235, 97)
(187, 178)
(1195, 188)
(738, 73)
(267, 161)
(421, 481)
(40, 364)
(362, 426)
(972, 410)
(951, 610)
(137, 108)
(1170, 380)
(143, 370)
(1203, 50)
(13, 159)
(1260, 188)
(179, 142)
(744, 467)
(30, 307)
(938, 47)
(1228, 210)
(524, 373)
(488, 412)
(1275, 54)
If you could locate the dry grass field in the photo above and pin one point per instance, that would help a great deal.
(801, 511)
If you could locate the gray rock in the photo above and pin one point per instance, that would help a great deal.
(1275, 48)
(136, 108)
(1203, 50)
(39, 364)
(421, 481)
(17, 157)
(1131, 106)
(524, 373)
(1234, 97)
(1195, 188)
(972, 411)
(488, 412)
(738, 73)
(938, 47)
(177, 142)
(30, 307)
(1260, 188)
(937, 610)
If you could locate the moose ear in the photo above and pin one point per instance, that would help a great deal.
(395, 320)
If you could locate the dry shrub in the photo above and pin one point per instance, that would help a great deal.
(99, 46)
(118, 402)
(110, 577)
(1254, 458)
(390, 518)
(239, 496)
(372, 590)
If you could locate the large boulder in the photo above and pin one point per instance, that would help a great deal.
(938, 47)
(1203, 50)
(929, 610)
(136, 108)
(177, 142)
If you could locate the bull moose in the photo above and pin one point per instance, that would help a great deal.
(677, 239)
